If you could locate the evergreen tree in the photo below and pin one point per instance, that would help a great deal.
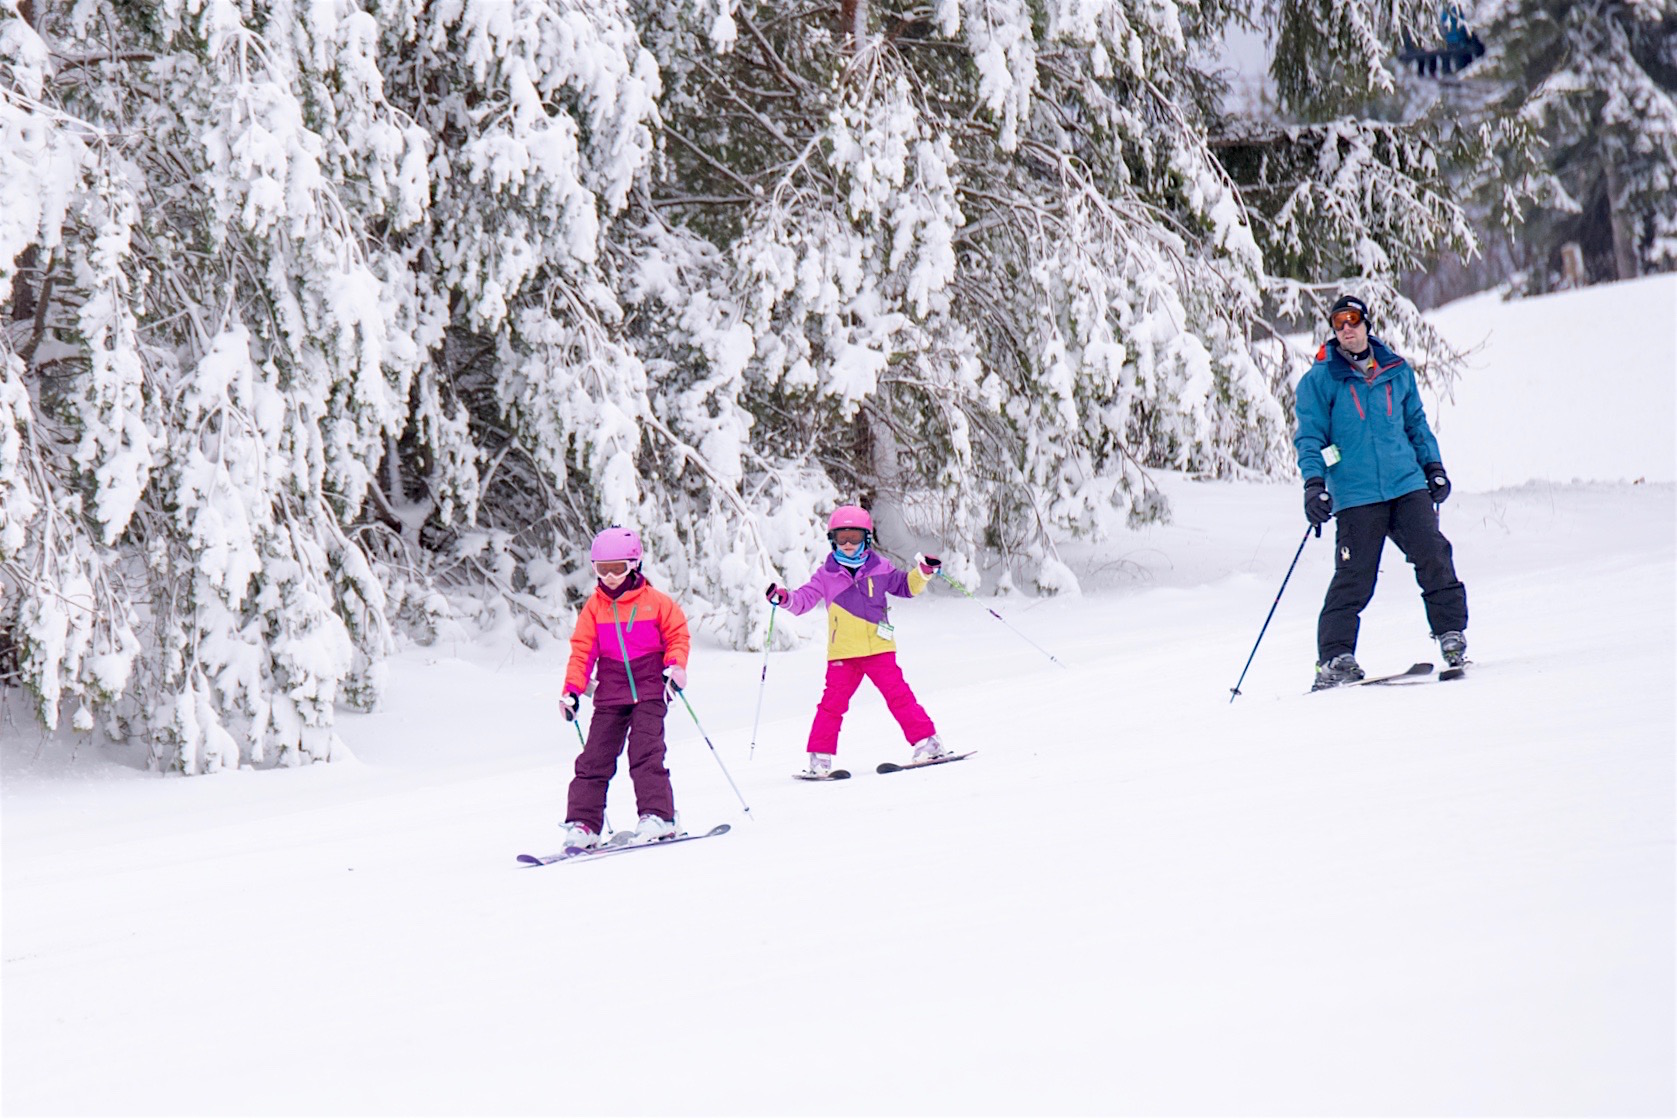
(211, 359)
(326, 322)
(1357, 183)
(1597, 81)
(998, 258)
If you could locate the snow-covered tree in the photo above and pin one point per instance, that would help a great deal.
(331, 320)
(1358, 180)
(1000, 257)
(1597, 82)
(213, 357)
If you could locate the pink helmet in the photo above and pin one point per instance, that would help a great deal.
(615, 543)
(850, 516)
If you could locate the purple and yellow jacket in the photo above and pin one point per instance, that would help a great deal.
(642, 628)
(856, 603)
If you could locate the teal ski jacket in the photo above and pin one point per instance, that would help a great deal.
(1379, 427)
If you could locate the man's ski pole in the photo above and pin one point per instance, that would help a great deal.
(764, 686)
(1317, 529)
(1000, 619)
(714, 754)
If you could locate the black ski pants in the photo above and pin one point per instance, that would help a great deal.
(1360, 536)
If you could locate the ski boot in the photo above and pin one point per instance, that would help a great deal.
(928, 750)
(1454, 648)
(653, 828)
(1342, 669)
(579, 836)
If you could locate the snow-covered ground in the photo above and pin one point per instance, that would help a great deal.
(1137, 898)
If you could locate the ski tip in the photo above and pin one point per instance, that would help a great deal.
(887, 767)
(530, 860)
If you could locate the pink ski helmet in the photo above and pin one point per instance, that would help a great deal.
(615, 543)
(850, 516)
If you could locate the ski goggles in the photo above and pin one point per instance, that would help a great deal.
(849, 536)
(1349, 316)
(613, 567)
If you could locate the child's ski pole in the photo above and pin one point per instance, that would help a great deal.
(1001, 619)
(764, 686)
(1234, 691)
(714, 754)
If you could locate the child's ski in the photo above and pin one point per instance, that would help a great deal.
(830, 775)
(892, 767)
(614, 846)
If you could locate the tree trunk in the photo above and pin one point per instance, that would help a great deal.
(1624, 248)
(853, 21)
(887, 507)
(23, 295)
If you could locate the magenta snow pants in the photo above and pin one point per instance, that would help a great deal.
(843, 678)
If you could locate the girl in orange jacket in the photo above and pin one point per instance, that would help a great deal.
(632, 638)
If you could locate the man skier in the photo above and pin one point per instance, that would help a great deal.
(1370, 461)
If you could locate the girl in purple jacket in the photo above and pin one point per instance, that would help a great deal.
(854, 584)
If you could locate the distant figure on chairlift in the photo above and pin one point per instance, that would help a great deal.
(1462, 47)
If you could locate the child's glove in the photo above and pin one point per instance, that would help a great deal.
(568, 703)
(929, 565)
(778, 595)
(675, 679)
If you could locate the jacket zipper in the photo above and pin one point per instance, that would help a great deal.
(634, 696)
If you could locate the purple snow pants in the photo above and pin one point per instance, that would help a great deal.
(843, 678)
(643, 723)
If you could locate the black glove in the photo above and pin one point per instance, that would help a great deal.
(568, 703)
(1438, 482)
(778, 595)
(1318, 506)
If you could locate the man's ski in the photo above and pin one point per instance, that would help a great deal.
(1419, 668)
(892, 767)
(616, 845)
(830, 775)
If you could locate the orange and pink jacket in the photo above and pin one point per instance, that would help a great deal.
(639, 632)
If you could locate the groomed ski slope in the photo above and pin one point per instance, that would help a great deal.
(1138, 898)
